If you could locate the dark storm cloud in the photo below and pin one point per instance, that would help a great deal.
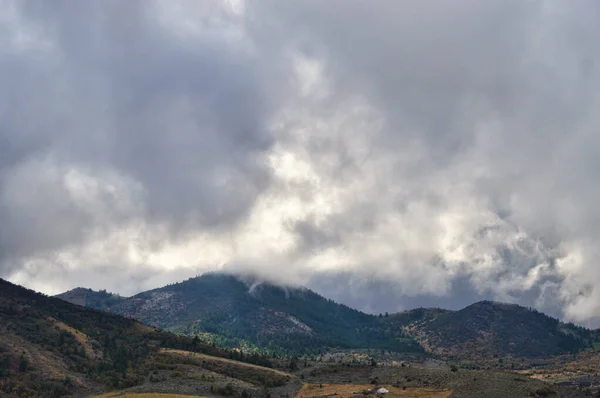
(176, 110)
(178, 119)
(442, 152)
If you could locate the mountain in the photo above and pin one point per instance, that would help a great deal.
(240, 311)
(100, 300)
(491, 330)
(52, 348)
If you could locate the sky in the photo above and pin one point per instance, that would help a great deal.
(387, 154)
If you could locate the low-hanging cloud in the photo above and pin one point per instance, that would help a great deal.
(437, 153)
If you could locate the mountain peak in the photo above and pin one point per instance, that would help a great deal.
(494, 304)
(502, 329)
(246, 310)
(86, 297)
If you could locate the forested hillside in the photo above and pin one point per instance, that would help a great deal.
(233, 311)
(490, 330)
(51, 348)
(242, 312)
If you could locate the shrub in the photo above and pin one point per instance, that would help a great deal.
(176, 373)
(543, 392)
(22, 364)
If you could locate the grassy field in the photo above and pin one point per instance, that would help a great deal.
(597, 346)
(350, 390)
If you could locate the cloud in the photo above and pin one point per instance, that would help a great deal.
(438, 153)
(127, 101)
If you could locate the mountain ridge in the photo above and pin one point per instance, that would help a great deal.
(266, 315)
(243, 311)
(51, 348)
(494, 329)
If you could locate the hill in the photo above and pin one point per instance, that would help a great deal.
(100, 300)
(490, 330)
(52, 348)
(234, 311)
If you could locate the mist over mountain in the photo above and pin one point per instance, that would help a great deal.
(246, 311)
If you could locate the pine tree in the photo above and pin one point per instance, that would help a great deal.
(22, 364)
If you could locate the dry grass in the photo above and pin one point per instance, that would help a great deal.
(140, 395)
(218, 359)
(238, 370)
(349, 390)
(565, 367)
(79, 336)
(141, 328)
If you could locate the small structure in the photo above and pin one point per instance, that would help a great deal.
(382, 391)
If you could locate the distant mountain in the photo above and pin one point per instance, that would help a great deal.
(489, 329)
(100, 300)
(52, 348)
(241, 311)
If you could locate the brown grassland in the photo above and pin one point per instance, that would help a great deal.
(315, 390)
(350, 390)
(239, 370)
(197, 355)
(79, 336)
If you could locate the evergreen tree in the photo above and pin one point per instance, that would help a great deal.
(22, 364)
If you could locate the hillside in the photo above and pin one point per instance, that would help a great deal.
(236, 310)
(52, 348)
(100, 300)
(487, 330)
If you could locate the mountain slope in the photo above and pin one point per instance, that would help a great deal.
(488, 329)
(51, 348)
(235, 311)
(269, 316)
